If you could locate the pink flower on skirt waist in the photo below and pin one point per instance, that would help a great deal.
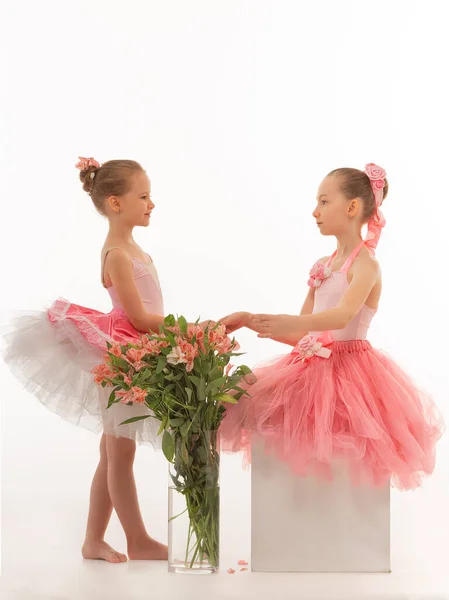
(318, 273)
(310, 346)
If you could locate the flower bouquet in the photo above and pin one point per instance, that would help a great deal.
(183, 377)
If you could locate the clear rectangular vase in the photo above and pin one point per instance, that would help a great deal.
(194, 504)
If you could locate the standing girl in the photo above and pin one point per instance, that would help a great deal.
(53, 354)
(335, 396)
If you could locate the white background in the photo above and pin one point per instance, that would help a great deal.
(237, 109)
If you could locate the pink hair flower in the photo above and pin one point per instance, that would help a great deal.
(374, 172)
(85, 163)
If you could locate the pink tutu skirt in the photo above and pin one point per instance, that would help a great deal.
(357, 405)
(53, 353)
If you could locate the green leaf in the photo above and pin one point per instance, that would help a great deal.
(118, 381)
(134, 419)
(169, 321)
(216, 384)
(119, 362)
(182, 324)
(196, 380)
(161, 364)
(201, 390)
(175, 481)
(112, 398)
(184, 429)
(215, 373)
(227, 398)
(245, 370)
(176, 422)
(239, 389)
(189, 393)
(153, 403)
(205, 367)
(168, 446)
(171, 338)
(163, 424)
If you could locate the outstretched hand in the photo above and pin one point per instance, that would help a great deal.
(235, 321)
(276, 326)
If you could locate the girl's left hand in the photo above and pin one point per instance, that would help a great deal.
(275, 326)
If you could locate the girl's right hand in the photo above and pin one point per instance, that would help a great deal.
(235, 321)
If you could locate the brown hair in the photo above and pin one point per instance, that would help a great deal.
(113, 178)
(356, 184)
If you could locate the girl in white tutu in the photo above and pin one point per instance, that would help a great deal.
(53, 353)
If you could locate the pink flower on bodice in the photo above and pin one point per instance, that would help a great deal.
(318, 273)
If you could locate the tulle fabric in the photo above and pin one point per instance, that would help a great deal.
(53, 352)
(356, 405)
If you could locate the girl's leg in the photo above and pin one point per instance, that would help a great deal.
(123, 493)
(100, 510)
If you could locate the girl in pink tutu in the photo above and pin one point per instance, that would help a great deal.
(53, 353)
(334, 396)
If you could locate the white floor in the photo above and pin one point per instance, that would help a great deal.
(47, 467)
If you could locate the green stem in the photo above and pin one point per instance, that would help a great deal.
(201, 494)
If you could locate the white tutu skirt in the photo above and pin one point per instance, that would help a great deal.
(54, 362)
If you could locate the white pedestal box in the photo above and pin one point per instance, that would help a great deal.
(301, 524)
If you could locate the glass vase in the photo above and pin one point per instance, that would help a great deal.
(194, 504)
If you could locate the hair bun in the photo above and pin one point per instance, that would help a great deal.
(88, 168)
(87, 178)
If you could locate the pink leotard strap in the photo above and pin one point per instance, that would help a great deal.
(330, 259)
(348, 262)
(345, 268)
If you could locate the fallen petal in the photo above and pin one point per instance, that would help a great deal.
(231, 571)
(244, 569)
(242, 562)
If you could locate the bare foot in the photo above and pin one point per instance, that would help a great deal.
(101, 551)
(147, 549)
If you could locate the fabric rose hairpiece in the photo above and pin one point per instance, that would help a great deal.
(85, 163)
(377, 222)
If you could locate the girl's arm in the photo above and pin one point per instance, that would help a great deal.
(245, 319)
(365, 275)
(293, 338)
(120, 270)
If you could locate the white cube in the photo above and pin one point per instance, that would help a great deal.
(301, 524)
